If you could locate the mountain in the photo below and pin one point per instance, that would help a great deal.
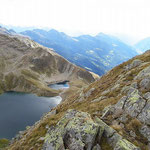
(18, 28)
(95, 53)
(26, 66)
(5, 31)
(143, 45)
(112, 113)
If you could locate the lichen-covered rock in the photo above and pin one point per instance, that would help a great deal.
(145, 84)
(144, 73)
(75, 131)
(134, 85)
(121, 103)
(147, 95)
(134, 64)
(144, 115)
(114, 139)
(96, 147)
(125, 145)
(123, 118)
(107, 111)
(134, 103)
(127, 90)
(145, 131)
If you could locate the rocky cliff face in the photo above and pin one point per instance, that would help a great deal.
(26, 66)
(111, 113)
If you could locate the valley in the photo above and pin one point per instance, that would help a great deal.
(97, 54)
(74, 75)
(33, 81)
(29, 67)
(115, 108)
(76, 109)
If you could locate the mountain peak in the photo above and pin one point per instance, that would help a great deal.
(53, 31)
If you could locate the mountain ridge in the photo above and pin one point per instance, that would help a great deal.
(29, 67)
(95, 53)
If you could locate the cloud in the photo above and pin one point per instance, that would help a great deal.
(90, 16)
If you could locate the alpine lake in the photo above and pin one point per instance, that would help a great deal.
(19, 110)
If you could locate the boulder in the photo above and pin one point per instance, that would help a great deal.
(96, 147)
(145, 131)
(134, 85)
(134, 103)
(144, 73)
(75, 131)
(125, 145)
(145, 84)
(144, 115)
(147, 95)
(135, 63)
(115, 139)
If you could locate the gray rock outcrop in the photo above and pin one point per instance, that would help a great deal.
(77, 131)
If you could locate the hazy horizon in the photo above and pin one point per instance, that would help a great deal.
(125, 18)
(124, 37)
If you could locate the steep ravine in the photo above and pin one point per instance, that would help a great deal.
(112, 113)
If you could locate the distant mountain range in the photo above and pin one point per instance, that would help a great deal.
(97, 53)
(143, 45)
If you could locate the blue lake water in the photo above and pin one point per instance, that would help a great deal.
(58, 86)
(18, 110)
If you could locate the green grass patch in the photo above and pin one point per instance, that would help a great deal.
(4, 143)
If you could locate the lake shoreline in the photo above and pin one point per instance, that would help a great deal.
(34, 99)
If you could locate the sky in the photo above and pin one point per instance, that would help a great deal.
(120, 17)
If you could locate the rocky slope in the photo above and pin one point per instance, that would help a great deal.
(111, 113)
(26, 66)
(97, 53)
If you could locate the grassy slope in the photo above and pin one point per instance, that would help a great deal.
(101, 85)
(104, 83)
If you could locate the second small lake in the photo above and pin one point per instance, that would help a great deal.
(58, 86)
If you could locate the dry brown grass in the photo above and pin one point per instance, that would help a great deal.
(134, 124)
(106, 81)
(117, 127)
